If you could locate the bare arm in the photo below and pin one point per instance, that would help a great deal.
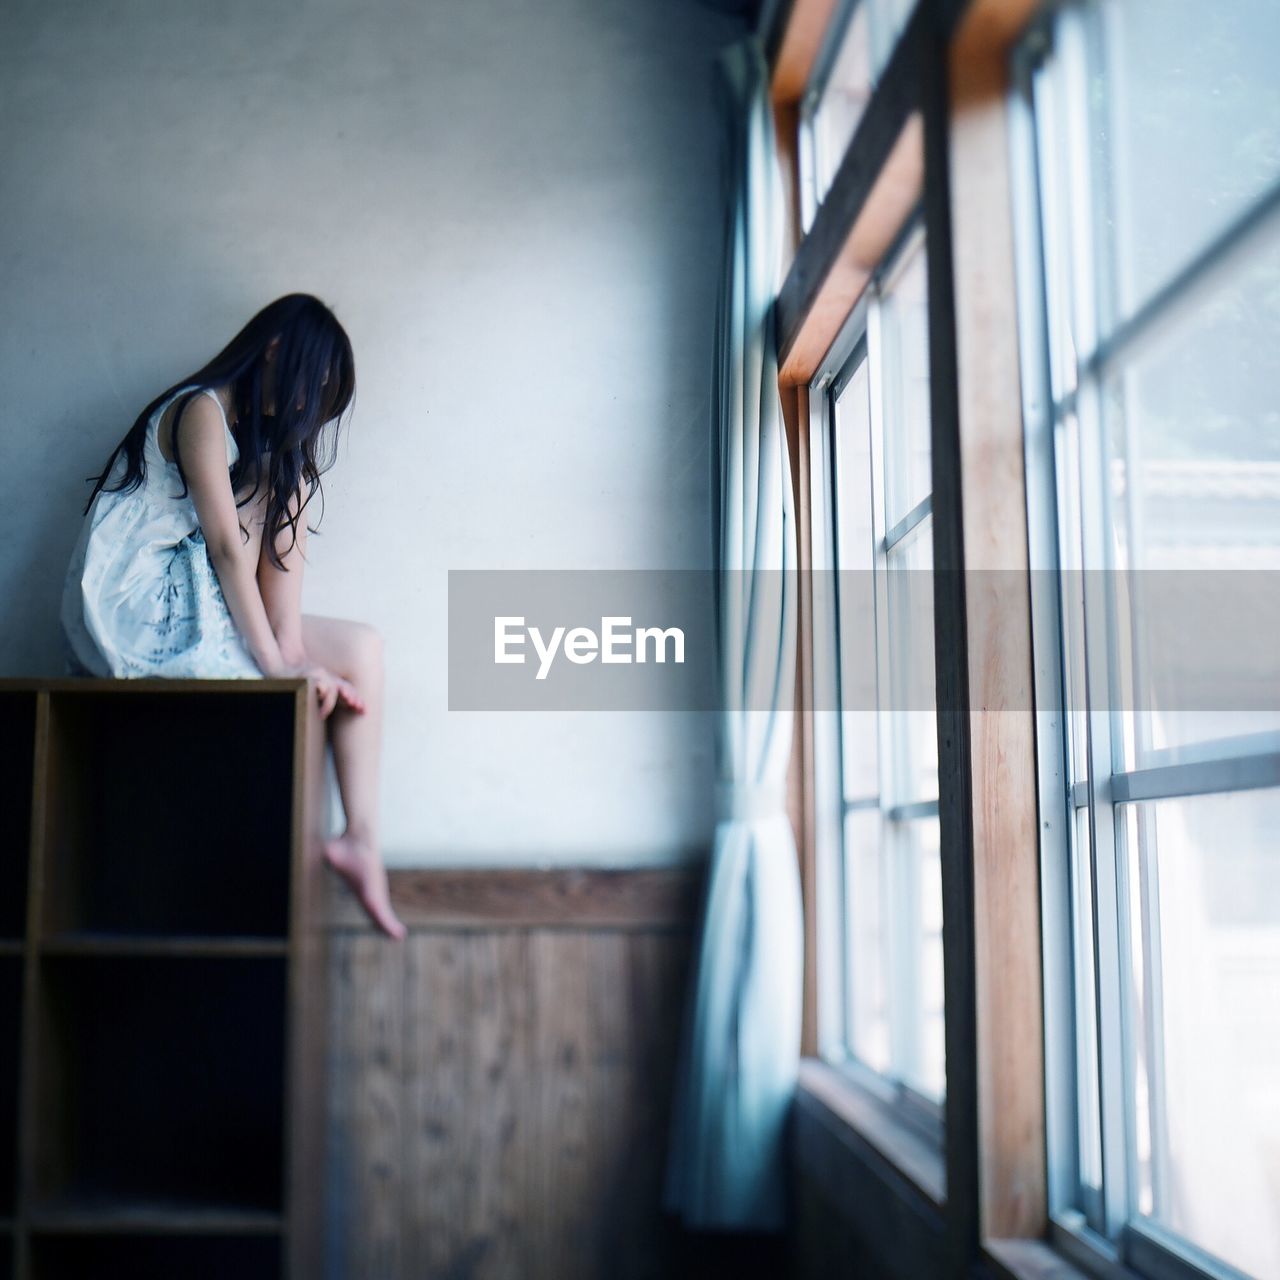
(282, 589)
(203, 446)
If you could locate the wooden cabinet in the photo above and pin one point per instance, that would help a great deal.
(162, 980)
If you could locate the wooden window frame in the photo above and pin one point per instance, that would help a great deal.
(862, 345)
(935, 134)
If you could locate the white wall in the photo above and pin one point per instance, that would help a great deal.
(513, 207)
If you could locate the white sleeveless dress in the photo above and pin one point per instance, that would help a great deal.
(141, 597)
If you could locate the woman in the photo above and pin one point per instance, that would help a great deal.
(189, 562)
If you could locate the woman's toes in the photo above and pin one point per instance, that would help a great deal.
(367, 879)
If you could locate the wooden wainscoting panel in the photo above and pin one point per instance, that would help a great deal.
(502, 1091)
(515, 898)
(563, 1208)
(469, 1018)
(366, 1139)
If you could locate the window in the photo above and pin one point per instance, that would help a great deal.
(1151, 205)
(881, 983)
(858, 47)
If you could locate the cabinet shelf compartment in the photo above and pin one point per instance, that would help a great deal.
(17, 763)
(153, 1257)
(169, 813)
(10, 1023)
(159, 1086)
(118, 944)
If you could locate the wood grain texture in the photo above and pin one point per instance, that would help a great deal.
(800, 779)
(501, 1091)
(811, 321)
(798, 44)
(365, 1228)
(875, 190)
(573, 897)
(983, 33)
(308, 999)
(786, 128)
(1010, 1033)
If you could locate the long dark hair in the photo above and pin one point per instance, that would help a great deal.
(313, 383)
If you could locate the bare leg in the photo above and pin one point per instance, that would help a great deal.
(353, 650)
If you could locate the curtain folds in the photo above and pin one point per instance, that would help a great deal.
(737, 1070)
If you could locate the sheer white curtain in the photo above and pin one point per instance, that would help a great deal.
(737, 1070)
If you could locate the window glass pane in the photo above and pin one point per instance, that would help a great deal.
(1189, 121)
(1157, 138)
(868, 1013)
(855, 560)
(892, 896)
(888, 17)
(918, 962)
(843, 99)
(1071, 598)
(904, 363)
(912, 684)
(1193, 434)
(866, 45)
(1089, 1113)
(1204, 874)
(930, 1077)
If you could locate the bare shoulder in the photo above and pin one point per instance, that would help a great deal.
(200, 428)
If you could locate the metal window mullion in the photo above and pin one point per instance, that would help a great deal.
(1070, 598)
(1207, 777)
(888, 764)
(858, 362)
(1107, 884)
(1044, 558)
(862, 804)
(1153, 1005)
(1047, 132)
(844, 871)
(1106, 671)
(1108, 911)
(887, 739)
(828, 774)
(916, 516)
(1114, 213)
(912, 811)
(1147, 1021)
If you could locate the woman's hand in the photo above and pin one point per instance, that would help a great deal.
(331, 689)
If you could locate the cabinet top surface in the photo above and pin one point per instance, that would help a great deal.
(86, 684)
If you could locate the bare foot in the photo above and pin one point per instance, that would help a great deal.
(358, 864)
